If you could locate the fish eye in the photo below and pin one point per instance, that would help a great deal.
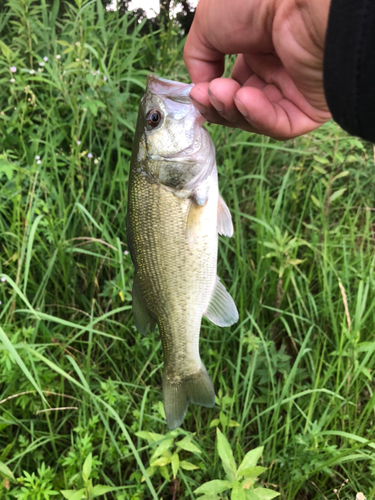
(153, 118)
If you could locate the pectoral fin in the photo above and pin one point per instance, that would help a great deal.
(193, 221)
(224, 219)
(143, 319)
(222, 311)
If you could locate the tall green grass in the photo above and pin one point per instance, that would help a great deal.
(295, 375)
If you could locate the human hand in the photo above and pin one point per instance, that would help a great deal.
(276, 86)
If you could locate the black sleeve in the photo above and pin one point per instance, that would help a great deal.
(349, 66)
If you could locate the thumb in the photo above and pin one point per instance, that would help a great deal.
(203, 61)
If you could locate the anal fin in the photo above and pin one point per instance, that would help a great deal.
(143, 319)
(224, 219)
(222, 311)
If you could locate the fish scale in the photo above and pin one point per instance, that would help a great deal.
(172, 228)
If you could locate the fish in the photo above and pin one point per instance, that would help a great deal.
(174, 216)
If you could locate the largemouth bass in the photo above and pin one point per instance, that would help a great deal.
(174, 216)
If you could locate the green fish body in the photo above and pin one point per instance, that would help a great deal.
(174, 216)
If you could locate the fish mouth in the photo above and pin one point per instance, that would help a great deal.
(175, 91)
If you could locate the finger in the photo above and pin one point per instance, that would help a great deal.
(280, 119)
(201, 100)
(203, 61)
(221, 93)
(241, 70)
(271, 70)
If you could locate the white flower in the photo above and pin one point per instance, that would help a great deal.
(0, 302)
(96, 161)
(37, 157)
(41, 63)
(12, 80)
(32, 71)
(86, 60)
(45, 58)
(126, 252)
(58, 56)
(38, 162)
(3, 279)
(78, 142)
(90, 155)
(13, 69)
(77, 43)
(104, 78)
(40, 70)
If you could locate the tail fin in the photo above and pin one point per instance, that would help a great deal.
(196, 388)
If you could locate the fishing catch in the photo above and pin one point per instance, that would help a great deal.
(174, 217)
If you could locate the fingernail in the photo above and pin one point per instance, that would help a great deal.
(202, 109)
(218, 105)
(241, 108)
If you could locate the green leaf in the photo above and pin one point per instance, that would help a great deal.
(214, 423)
(7, 168)
(187, 445)
(161, 461)
(233, 423)
(251, 472)
(341, 174)
(164, 472)
(100, 489)
(251, 458)
(209, 497)
(87, 467)
(187, 465)
(250, 495)
(5, 471)
(337, 194)
(366, 372)
(100, 104)
(266, 494)
(315, 201)
(63, 42)
(150, 437)
(90, 78)
(73, 494)
(321, 159)
(226, 455)
(247, 483)
(238, 493)
(175, 462)
(319, 169)
(150, 472)
(161, 448)
(214, 487)
(5, 49)
(92, 107)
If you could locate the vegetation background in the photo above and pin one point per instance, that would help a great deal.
(80, 394)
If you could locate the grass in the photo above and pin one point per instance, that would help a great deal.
(295, 375)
